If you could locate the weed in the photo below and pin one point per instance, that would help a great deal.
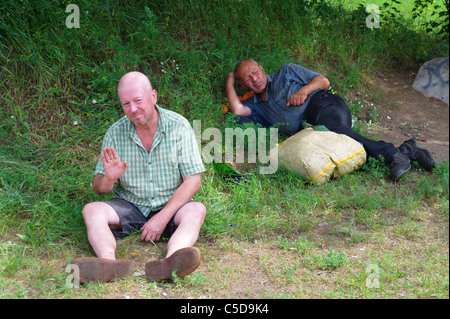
(301, 245)
(332, 260)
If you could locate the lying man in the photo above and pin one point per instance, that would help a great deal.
(153, 156)
(294, 95)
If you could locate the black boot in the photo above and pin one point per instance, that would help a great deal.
(400, 164)
(415, 153)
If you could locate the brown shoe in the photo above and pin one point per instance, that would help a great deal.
(101, 269)
(184, 261)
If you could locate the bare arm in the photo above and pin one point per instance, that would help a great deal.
(318, 82)
(154, 228)
(236, 106)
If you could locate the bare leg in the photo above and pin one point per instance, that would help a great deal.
(99, 218)
(188, 221)
(181, 255)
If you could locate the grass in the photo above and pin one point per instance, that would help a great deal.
(280, 237)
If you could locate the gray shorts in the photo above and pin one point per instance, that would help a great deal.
(131, 219)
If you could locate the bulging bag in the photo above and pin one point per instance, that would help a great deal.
(319, 155)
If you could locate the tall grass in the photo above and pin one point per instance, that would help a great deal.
(58, 98)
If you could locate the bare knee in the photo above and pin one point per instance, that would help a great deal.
(99, 212)
(89, 211)
(198, 211)
(193, 212)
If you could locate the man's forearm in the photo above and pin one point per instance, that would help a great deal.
(318, 82)
(299, 97)
(182, 195)
(232, 98)
(102, 185)
(236, 106)
(153, 229)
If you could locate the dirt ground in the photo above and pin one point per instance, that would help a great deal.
(406, 113)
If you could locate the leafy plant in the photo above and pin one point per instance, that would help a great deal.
(332, 260)
(438, 16)
(29, 236)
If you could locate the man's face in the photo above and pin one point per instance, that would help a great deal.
(138, 102)
(252, 77)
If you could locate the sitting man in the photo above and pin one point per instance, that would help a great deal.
(153, 155)
(294, 95)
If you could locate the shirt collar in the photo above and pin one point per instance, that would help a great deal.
(162, 128)
(269, 80)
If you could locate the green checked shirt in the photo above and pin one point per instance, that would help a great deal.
(152, 178)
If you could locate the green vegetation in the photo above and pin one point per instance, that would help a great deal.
(59, 97)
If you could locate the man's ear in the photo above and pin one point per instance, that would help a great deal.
(154, 96)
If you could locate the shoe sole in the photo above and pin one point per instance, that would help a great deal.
(184, 261)
(396, 178)
(100, 269)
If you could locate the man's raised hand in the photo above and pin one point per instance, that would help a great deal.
(114, 168)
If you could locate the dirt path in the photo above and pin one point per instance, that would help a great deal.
(406, 113)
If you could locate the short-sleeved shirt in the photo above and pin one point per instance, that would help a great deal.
(280, 86)
(153, 177)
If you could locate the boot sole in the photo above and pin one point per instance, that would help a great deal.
(102, 270)
(184, 261)
(397, 177)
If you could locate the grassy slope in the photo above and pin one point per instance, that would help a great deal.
(58, 98)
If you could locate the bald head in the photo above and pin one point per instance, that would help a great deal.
(134, 79)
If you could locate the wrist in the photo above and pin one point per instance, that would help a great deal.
(107, 183)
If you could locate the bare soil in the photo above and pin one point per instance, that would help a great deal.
(406, 113)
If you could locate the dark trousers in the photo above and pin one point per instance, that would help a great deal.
(326, 108)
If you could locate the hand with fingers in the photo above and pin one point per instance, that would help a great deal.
(114, 167)
(154, 228)
(297, 98)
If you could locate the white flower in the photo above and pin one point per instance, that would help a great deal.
(94, 101)
(75, 123)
